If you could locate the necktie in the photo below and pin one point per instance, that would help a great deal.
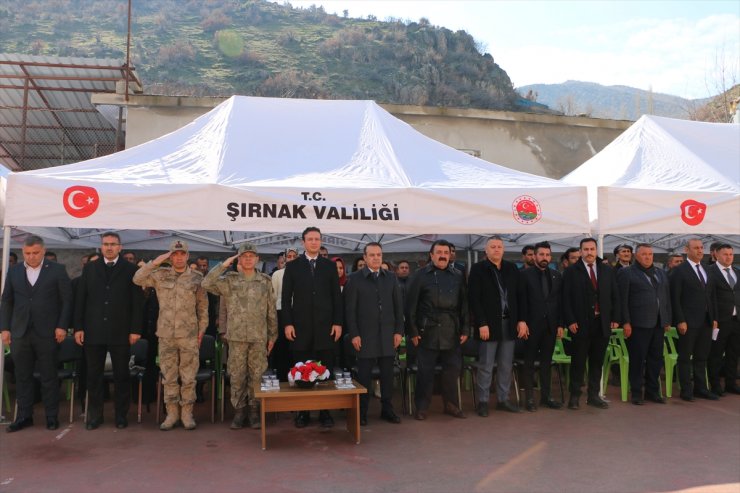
(701, 276)
(595, 284)
(313, 265)
(110, 264)
(730, 280)
(545, 283)
(375, 275)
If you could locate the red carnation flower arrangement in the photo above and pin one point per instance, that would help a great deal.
(309, 373)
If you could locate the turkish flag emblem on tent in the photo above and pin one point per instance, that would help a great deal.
(80, 201)
(692, 212)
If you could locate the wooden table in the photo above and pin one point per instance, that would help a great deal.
(322, 396)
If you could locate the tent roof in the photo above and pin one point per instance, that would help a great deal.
(665, 153)
(252, 150)
(656, 165)
(250, 141)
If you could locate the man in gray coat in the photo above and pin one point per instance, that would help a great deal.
(646, 315)
(374, 322)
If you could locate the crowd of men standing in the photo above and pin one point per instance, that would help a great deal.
(311, 309)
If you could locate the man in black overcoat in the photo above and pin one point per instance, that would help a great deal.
(312, 310)
(108, 319)
(374, 324)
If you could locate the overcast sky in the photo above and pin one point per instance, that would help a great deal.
(673, 47)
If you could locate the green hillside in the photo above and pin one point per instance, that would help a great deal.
(223, 47)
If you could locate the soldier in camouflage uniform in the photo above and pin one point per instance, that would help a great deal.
(183, 318)
(251, 327)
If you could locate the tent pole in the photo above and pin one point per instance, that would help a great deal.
(6, 258)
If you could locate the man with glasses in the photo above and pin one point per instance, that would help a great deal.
(108, 319)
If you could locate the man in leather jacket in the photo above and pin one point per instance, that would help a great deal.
(438, 326)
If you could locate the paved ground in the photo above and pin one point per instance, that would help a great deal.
(626, 448)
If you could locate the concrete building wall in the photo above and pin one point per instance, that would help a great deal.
(545, 145)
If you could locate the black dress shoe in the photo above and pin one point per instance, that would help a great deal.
(687, 397)
(302, 419)
(482, 409)
(705, 394)
(93, 424)
(718, 391)
(552, 404)
(454, 411)
(655, 398)
(390, 416)
(19, 424)
(52, 423)
(732, 389)
(530, 405)
(637, 400)
(363, 420)
(573, 402)
(507, 406)
(325, 419)
(598, 402)
(121, 423)
(420, 415)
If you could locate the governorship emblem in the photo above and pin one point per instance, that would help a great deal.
(526, 210)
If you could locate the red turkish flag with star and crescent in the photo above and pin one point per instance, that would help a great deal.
(692, 212)
(80, 201)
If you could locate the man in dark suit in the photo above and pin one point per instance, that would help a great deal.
(34, 316)
(493, 289)
(693, 315)
(541, 313)
(108, 319)
(725, 290)
(374, 324)
(590, 310)
(312, 310)
(646, 316)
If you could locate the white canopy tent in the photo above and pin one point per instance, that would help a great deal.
(279, 165)
(665, 177)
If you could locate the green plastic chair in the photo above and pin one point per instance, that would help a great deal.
(617, 354)
(559, 357)
(670, 359)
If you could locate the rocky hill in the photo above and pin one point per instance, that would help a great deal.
(223, 47)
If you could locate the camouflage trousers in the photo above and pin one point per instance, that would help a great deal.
(178, 359)
(247, 362)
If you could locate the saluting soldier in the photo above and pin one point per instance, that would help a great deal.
(183, 319)
(251, 327)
